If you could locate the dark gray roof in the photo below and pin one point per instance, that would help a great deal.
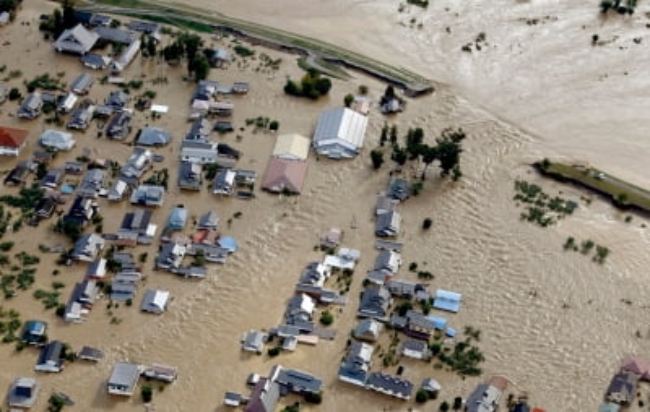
(153, 136)
(117, 99)
(200, 130)
(82, 83)
(190, 176)
(138, 220)
(53, 352)
(623, 384)
(144, 26)
(95, 61)
(390, 385)
(387, 223)
(120, 125)
(114, 35)
(92, 354)
(399, 189)
(209, 220)
(374, 302)
(299, 382)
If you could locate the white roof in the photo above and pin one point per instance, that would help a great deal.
(158, 108)
(341, 127)
(291, 147)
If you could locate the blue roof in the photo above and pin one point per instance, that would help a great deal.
(446, 300)
(451, 332)
(439, 323)
(67, 189)
(177, 218)
(35, 327)
(229, 243)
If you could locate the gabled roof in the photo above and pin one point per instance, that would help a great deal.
(76, 40)
(285, 175)
(13, 138)
(340, 133)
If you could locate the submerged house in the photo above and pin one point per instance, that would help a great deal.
(340, 133)
(92, 183)
(51, 358)
(388, 224)
(254, 341)
(82, 84)
(81, 300)
(199, 152)
(31, 106)
(57, 140)
(77, 40)
(126, 57)
(190, 176)
(81, 117)
(12, 141)
(224, 182)
(87, 247)
(155, 301)
(486, 396)
(390, 385)
(148, 195)
(119, 126)
(368, 329)
(375, 302)
(356, 364)
(153, 136)
(291, 147)
(284, 176)
(34, 332)
(137, 164)
(177, 218)
(23, 393)
(123, 379)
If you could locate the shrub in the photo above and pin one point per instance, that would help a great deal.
(274, 351)
(421, 396)
(377, 158)
(147, 393)
(458, 403)
(348, 99)
(315, 398)
(413, 266)
(426, 224)
(326, 318)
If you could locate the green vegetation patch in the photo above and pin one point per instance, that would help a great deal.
(539, 207)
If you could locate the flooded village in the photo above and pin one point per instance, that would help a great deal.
(185, 227)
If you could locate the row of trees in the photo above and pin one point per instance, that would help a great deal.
(446, 151)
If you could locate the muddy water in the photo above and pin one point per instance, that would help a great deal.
(553, 322)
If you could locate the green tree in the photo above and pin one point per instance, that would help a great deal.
(426, 223)
(449, 150)
(384, 135)
(399, 155)
(377, 157)
(274, 125)
(348, 99)
(292, 88)
(458, 403)
(323, 85)
(201, 67)
(444, 406)
(69, 19)
(393, 134)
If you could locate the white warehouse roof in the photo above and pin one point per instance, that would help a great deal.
(340, 133)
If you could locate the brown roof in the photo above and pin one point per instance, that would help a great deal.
(636, 365)
(283, 175)
(10, 137)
